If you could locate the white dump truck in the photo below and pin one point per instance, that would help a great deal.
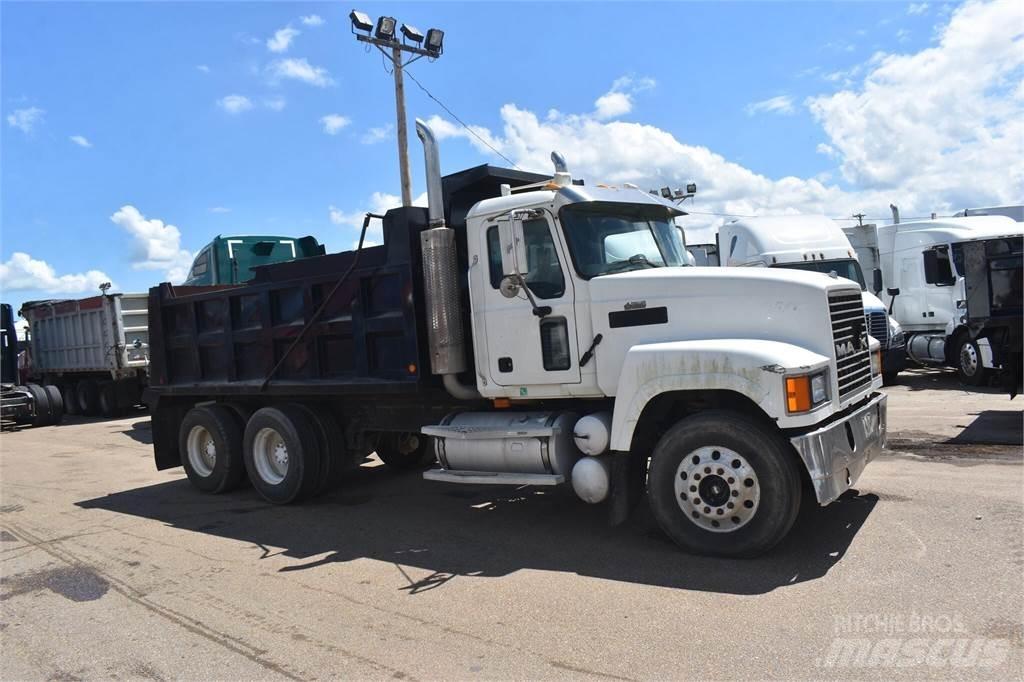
(814, 243)
(927, 287)
(528, 331)
(94, 350)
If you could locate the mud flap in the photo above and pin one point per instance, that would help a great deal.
(628, 480)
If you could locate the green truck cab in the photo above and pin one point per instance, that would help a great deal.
(229, 260)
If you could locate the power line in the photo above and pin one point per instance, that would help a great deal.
(764, 215)
(461, 122)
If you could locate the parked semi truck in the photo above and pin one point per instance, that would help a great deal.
(230, 260)
(526, 330)
(968, 319)
(814, 243)
(22, 404)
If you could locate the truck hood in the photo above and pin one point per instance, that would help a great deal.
(681, 304)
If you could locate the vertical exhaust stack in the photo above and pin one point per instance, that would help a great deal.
(445, 335)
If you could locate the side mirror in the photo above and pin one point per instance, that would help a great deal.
(931, 266)
(513, 247)
(893, 291)
(876, 282)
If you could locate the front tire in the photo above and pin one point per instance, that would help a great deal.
(969, 367)
(721, 484)
(41, 402)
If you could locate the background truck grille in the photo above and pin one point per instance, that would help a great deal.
(849, 342)
(878, 327)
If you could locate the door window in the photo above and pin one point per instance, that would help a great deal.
(545, 277)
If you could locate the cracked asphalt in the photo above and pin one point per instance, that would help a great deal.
(112, 570)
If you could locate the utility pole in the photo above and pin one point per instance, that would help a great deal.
(384, 38)
(860, 219)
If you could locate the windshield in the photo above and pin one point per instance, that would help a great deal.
(606, 238)
(848, 268)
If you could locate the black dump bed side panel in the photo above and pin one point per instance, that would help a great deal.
(227, 340)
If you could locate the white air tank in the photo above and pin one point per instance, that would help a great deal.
(592, 433)
(591, 478)
(509, 442)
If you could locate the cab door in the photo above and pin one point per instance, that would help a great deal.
(526, 349)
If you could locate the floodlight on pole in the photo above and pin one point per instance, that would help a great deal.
(361, 21)
(383, 36)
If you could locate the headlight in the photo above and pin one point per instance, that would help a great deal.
(805, 392)
(896, 337)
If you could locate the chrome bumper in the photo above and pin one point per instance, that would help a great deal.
(836, 454)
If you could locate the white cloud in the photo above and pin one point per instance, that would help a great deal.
(282, 39)
(156, 246)
(902, 35)
(235, 104)
(21, 272)
(379, 203)
(942, 125)
(219, 209)
(204, 68)
(275, 103)
(312, 20)
(780, 104)
(300, 70)
(80, 141)
(618, 101)
(26, 120)
(917, 8)
(333, 123)
(378, 134)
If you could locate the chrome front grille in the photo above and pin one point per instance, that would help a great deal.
(878, 327)
(849, 342)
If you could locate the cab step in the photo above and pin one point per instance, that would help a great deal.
(491, 477)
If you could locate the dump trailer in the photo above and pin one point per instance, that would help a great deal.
(527, 330)
(29, 404)
(94, 350)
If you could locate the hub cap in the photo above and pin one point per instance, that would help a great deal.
(270, 455)
(717, 489)
(969, 359)
(202, 451)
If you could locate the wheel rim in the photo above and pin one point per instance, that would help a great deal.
(270, 454)
(969, 359)
(202, 451)
(717, 489)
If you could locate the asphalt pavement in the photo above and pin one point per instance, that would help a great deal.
(111, 569)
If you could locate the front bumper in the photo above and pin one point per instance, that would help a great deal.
(836, 454)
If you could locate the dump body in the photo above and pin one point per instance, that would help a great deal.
(105, 334)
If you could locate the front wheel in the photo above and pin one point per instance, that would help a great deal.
(721, 484)
(969, 367)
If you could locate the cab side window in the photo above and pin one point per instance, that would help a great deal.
(494, 256)
(545, 277)
(201, 265)
(938, 269)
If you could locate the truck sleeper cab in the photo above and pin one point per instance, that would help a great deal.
(528, 330)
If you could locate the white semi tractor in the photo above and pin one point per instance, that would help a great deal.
(953, 313)
(814, 243)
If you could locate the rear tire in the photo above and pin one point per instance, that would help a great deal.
(70, 399)
(108, 400)
(282, 453)
(88, 394)
(969, 367)
(405, 451)
(56, 404)
(333, 455)
(210, 447)
(41, 403)
(722, 484)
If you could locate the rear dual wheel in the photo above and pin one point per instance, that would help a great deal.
(47, 403)
(210, 446)
(282, 450)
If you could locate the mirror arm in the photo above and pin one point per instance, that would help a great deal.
(540, 311)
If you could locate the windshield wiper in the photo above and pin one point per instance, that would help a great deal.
(635, 259)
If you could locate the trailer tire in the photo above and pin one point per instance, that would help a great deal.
(969, 367)
(41, 403)
(88, 394)
(70, 399)
(108, 399)
(747, 476)
(332, 447)
(404, 451)
(282, 453)
(56, 404)
(210, 448)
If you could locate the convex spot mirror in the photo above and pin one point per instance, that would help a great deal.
(513, 246)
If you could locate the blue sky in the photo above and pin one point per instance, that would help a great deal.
(184, 113)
